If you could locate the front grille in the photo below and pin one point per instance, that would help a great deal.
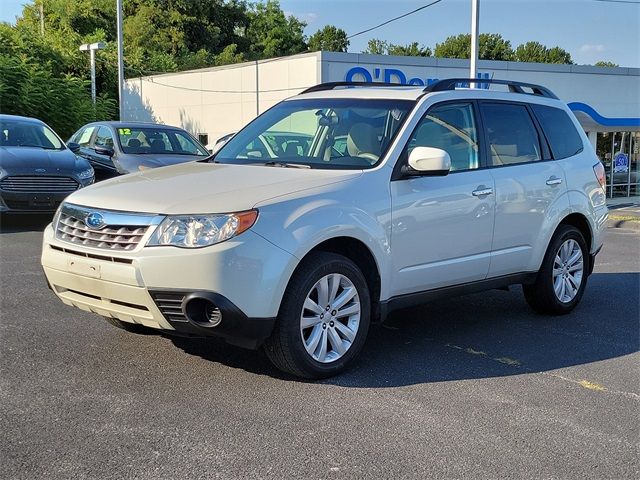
(112, 237)
(92, 255)
(170, 305)
(33, 205)
(38, 184)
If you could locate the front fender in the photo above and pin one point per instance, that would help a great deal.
(298, 225)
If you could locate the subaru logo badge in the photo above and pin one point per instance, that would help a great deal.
(94, 220)
(40, 170)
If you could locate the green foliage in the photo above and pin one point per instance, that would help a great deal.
(491, 47)
(410, 50)
(375, 46)
(28, 89)
(329, 39)
(381, 47)
(603, 63)
(536, 52)
(271, 33)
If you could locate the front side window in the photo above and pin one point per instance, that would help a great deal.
(319, 133)
(450, 127)
(158, 140)
(104, 138)
(511, 134)
(18, 133)
(564, 139)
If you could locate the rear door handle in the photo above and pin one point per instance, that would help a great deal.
(554, 181)
(482, 191)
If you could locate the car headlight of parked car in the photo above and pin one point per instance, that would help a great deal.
(196, 231)
(85, 174)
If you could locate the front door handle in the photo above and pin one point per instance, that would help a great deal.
(482, 191)
(554, 181)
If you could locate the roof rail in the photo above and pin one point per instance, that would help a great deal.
(332, 85)
(514, 86)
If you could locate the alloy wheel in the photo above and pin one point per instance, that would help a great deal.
(330, 318)
(568, 270)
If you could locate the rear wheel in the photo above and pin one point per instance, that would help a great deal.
(562, 278)
(323, 319)
(130, 327)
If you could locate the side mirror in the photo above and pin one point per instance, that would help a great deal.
(74, 147)
(429, 161)
(104, 150)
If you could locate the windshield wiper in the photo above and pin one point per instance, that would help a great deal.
(286, 165)
(39, 146)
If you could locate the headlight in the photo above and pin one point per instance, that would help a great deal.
(88, 173)
(195, 231)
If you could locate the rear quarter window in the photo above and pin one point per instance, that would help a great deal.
(561, 133)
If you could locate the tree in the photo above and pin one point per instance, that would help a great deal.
(536, 52)
(491, 47)
(272, 33)
(330, 39)
(559, 55)
(603, 63)
(531, 52)
(376, 46)
(381, 47)
(410, 50)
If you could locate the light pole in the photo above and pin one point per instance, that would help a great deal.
(120, 60)
(475, 17)
(91, 48)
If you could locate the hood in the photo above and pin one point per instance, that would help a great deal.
(130, 162)
(17, 160)
(203, 188)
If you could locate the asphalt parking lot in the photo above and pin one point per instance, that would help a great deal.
(477, 387)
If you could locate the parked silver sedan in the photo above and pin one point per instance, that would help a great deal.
(125, 147)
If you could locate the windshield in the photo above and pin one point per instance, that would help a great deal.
(158, 141)
(319, 133)
(20, 133)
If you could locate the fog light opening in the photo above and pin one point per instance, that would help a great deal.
(202, 312)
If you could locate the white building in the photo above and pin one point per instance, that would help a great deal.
(211, 102)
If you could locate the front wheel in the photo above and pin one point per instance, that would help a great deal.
(323, 319)
(562, 278)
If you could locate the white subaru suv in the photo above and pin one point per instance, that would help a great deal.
(397, 195)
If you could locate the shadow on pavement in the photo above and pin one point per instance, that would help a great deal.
(483, 335)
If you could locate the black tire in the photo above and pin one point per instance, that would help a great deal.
(540, 295)
(130, 327)
(285, 347)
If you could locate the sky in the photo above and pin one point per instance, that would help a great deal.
(590, 30)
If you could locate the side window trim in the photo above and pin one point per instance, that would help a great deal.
(487, 149)
(542, 138)
(482, 161)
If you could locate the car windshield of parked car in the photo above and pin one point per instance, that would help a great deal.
(158, 141)
(319, 133)
(19, 133)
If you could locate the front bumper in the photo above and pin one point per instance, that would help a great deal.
(248, 277)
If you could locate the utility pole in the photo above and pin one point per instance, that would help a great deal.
(120, 60)
(475, 24)
(41, 10)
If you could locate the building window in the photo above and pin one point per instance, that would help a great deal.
(619, 152)
(203, 138)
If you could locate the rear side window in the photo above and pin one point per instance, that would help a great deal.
(511, 134)
(560, 131)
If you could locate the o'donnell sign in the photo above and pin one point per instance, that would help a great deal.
(393, 75)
